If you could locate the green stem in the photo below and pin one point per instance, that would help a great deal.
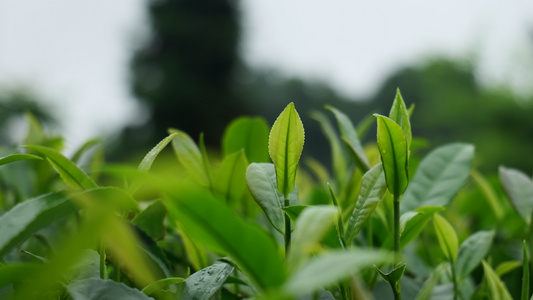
(397, 251)
(287, 228)
(397, 288)
(454, 278)
(117, 272)
(101, 251)
(530, 235)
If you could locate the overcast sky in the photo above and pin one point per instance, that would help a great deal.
(76, 52)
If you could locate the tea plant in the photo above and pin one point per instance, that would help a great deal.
(256, 221)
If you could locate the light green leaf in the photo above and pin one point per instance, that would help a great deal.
(338, 156)
(150, 157)
(75, 177)
(151, 220)
(161, 284)
(329, 268)
(17, 157)
(400, 115)
(206, 282)
(190, 157)
(96, 288)
(230, 178)
(392, 146)
(472, 251)
(311, 227)
(394, 276)
(519, 189)
(490, 195)
(447, 238)
(411, 227)
(439, 177)
(373, 187)
(498, 291)
(215, 226)
(250, 134)
(350, 139)
(294, 211)
(261, 180)
(507, 266)
(285, 146)
(29, 216)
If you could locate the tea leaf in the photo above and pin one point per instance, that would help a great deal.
(29, 216)
(439, 177)
(151, 220)
(392, 146)
(214, 225)
(373, 188)
(489, 193)
(230, 179)
(17, 157)
(150, 157)
(350, 139)
(411, 227)
(311, 227)
(507, 266)
(161, 284)
(96, 288)
(325, 270)
(190, 157)
(261, 180)
(250, 134)
(75, 177)
(17, 272)
(498, 291)
(285, 146)
(400, 115)
(338, 156)
(472, 251)
(447, 238)
(206, 282)
(394, 276)
(519, 189)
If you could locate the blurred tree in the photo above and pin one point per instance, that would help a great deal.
(183, 72)
(15, 102)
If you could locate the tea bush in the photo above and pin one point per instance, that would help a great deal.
(255, 221)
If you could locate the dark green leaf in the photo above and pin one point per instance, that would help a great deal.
(472, 251)
(373, 187)
(75, 177)
(285, 146)
(18, 272)
(27, 217)
(412, 223)
(98, 289)
(250, 134)
(439, 177)
(204, 283)
(214, 225)
(392, 146)
(394, 276)
(151, 220)
(261, 180)
(490, 195)
(519, 189)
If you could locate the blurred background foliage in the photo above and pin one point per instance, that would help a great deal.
(188, 73)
